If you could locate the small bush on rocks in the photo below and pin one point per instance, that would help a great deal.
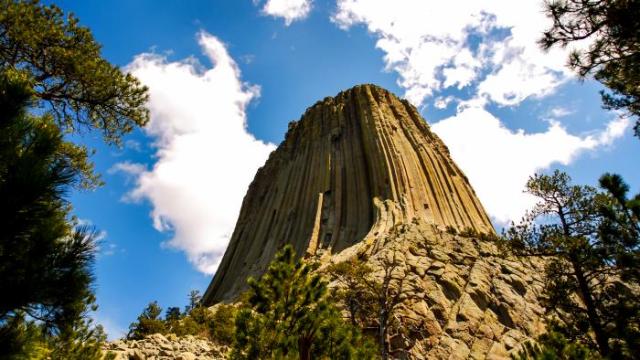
(216, 325)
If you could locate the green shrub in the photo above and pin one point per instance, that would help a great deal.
(222, 324)
(469, 233)
(289, 316)
(451, 230)
(149, 322)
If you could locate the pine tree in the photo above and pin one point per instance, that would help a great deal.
(149, 322)
(619, 232)
(173, 314)
(369, 298)
(67, 72)
(587, 240)
(49, 62)
(45, 259)
(194, 300)
(554, 345)
(613, 57)
(288, 316)
(82, 341)
(69, 79)
(222, 325)
(620, 228)
(352, 292)
(21, 339)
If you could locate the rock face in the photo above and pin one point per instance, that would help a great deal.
(361, 174)
(160, 347)
(462, 299)
(353, 166)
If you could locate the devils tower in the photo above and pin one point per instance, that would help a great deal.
(361, 172)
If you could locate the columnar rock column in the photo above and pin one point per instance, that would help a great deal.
(353, 167)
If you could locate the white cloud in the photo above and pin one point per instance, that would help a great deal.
(133, 145)
(489, 49)
(434, 45)
(560, 111)
(614, 130)
(111, 249)
(206, 158)
(101, 236)
(128, 168)
(443, 102)
(499, 161)
(290, 10)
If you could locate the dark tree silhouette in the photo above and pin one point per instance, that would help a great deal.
(67, 71)
(589, 240)
(613, 58)
(45, 259)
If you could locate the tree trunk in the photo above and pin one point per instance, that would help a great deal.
(353, 309)
(382, 334)
(304, 348)
(592, 313)
(585, 293)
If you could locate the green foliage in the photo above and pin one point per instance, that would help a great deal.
(614, 55)
(371, 299)
(619, 232)
(173, 314)
(355, 296)
(620, 226)
(67, 72)
(590, 240)
(222, 324)
(194, 300)
(82, 342)
(469, 233)
(451, 230)
(553, 345)
(20, 339)
(26, 339)
(149, 322)
(49, 62)
(60, 64)
(195, 323)
(217, 325)
(288, 316)
(45, 260)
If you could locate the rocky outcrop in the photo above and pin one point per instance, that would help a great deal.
(462, 299)
(361, 174)
(353, 166)
(160, 347)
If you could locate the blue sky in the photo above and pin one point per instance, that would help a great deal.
(226, 77)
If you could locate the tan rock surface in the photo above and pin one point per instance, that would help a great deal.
(352, 167)
(161, 347)
(362, 173)
(464, 300)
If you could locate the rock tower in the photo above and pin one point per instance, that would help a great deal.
(361, 172)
